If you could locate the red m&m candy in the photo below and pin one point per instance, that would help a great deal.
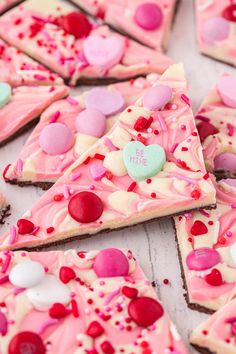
(145, 311)
(26, 342)
(229, 13)
(77, 24)
(85, 207)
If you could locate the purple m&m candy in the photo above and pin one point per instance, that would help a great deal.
(225, 161)
(91, 122)
(106, 102)
(111, 262)
(148, 16)
(157, 97)
(56, 139)
(214, 30)
(202, 259)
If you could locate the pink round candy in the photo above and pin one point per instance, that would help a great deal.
(111, 262)
(106, 102)
(56, 139)
(214, 30)
(148, 16)
(225, 161)
(202, 259)
(226, 86)
(230, 181)
(157, 97)
(91, 122)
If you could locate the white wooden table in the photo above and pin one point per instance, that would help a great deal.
(152, 243)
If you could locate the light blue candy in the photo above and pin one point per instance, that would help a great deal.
(143, 161)
(5, 94)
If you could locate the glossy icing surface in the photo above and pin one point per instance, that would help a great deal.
(27, 103)
(216, 23)
(121, 15)
(125, 201)
(217, 333)
(43, 34)
(216, 119)
(40, 166)
(207, 244)
(18, 69)
(93, 312)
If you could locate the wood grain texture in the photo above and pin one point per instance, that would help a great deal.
(153, 244)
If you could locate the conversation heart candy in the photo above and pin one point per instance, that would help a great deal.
(56, 139)
(226, 87)
(76, 24)
(104, 101)
(102, 52)
(91, 122)
(143, 161)
(26, 274)
(202, 259)
(5, 93)
(157, 97)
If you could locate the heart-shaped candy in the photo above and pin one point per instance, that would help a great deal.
(206, 129)
(66, 274)
(102, 52)
(58, 311)
(145, 311)
(104, 101)
(25, 226)
(97, 171)
(77, 24)
(95, 330)
(229, 13)
(214, 278)
(143, 161)
(129, 292)
(91, 122)
(198, 228)
(226, 87)
(5, 93)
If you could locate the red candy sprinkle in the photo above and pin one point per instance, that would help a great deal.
(94, 330)
(140, 124)
(50, 230)
(198, 228)
(129, 292)
(229, 13)
(196, 194)
(58, 197)
(77, 24)
(31, 341)
(214, 278)
(66, 274)
(85, 207)
(206, 129)
(131, 187)
(6, 168)
(144, 311)
(58, 311)
(25, 226)
(107, 348)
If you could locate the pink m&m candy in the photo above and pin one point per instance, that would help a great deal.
(214, 30)
(26, 342)
(226, 87)
(56, 139)
(91, 122)
(148, 16)
(145, 311)
(202, 259)
(111, 262)
(106, 102)
(225, 161)
(157, 97)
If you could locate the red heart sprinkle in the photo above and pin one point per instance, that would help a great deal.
(77, 24)
(198, 228)
(145, 311)
(206, 129)
(229, 13)
(107, 348)
(25, 226)
(29, 340)
(58, 311)
(85, 207)
(196, 194)
(129, 292)
(94, 330)
(67, 274)
(214, 278)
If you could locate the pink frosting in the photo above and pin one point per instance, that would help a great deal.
(6, 4)
(94, 302)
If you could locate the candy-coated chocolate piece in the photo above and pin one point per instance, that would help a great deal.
(91, 122)
(145, 311)
(111, 262)
(85, 207)
(104, 101)
(148, 15)
(225, 161)
(229, 13)
(157, 97)
(27, 274)
(56, 139)
(226, 86)
(202, 259)
(26, 342)
(205, 129)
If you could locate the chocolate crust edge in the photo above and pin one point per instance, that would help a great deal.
(4, 213)
(202, 350)
(43, 185)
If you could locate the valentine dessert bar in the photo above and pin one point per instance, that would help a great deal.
(217, 335)
(98, 301)
(148, 165)
(20, 107)
(145, 21)
(87, 53)
(216, 125)
(4, 208)
(6, 4)
(18, 69)
(206, 241)
(81, 121)
(216, 29)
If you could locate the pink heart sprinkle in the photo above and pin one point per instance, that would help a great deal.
(97, 171)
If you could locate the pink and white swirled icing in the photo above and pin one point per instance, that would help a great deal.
(181, 184)
(35, 29)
